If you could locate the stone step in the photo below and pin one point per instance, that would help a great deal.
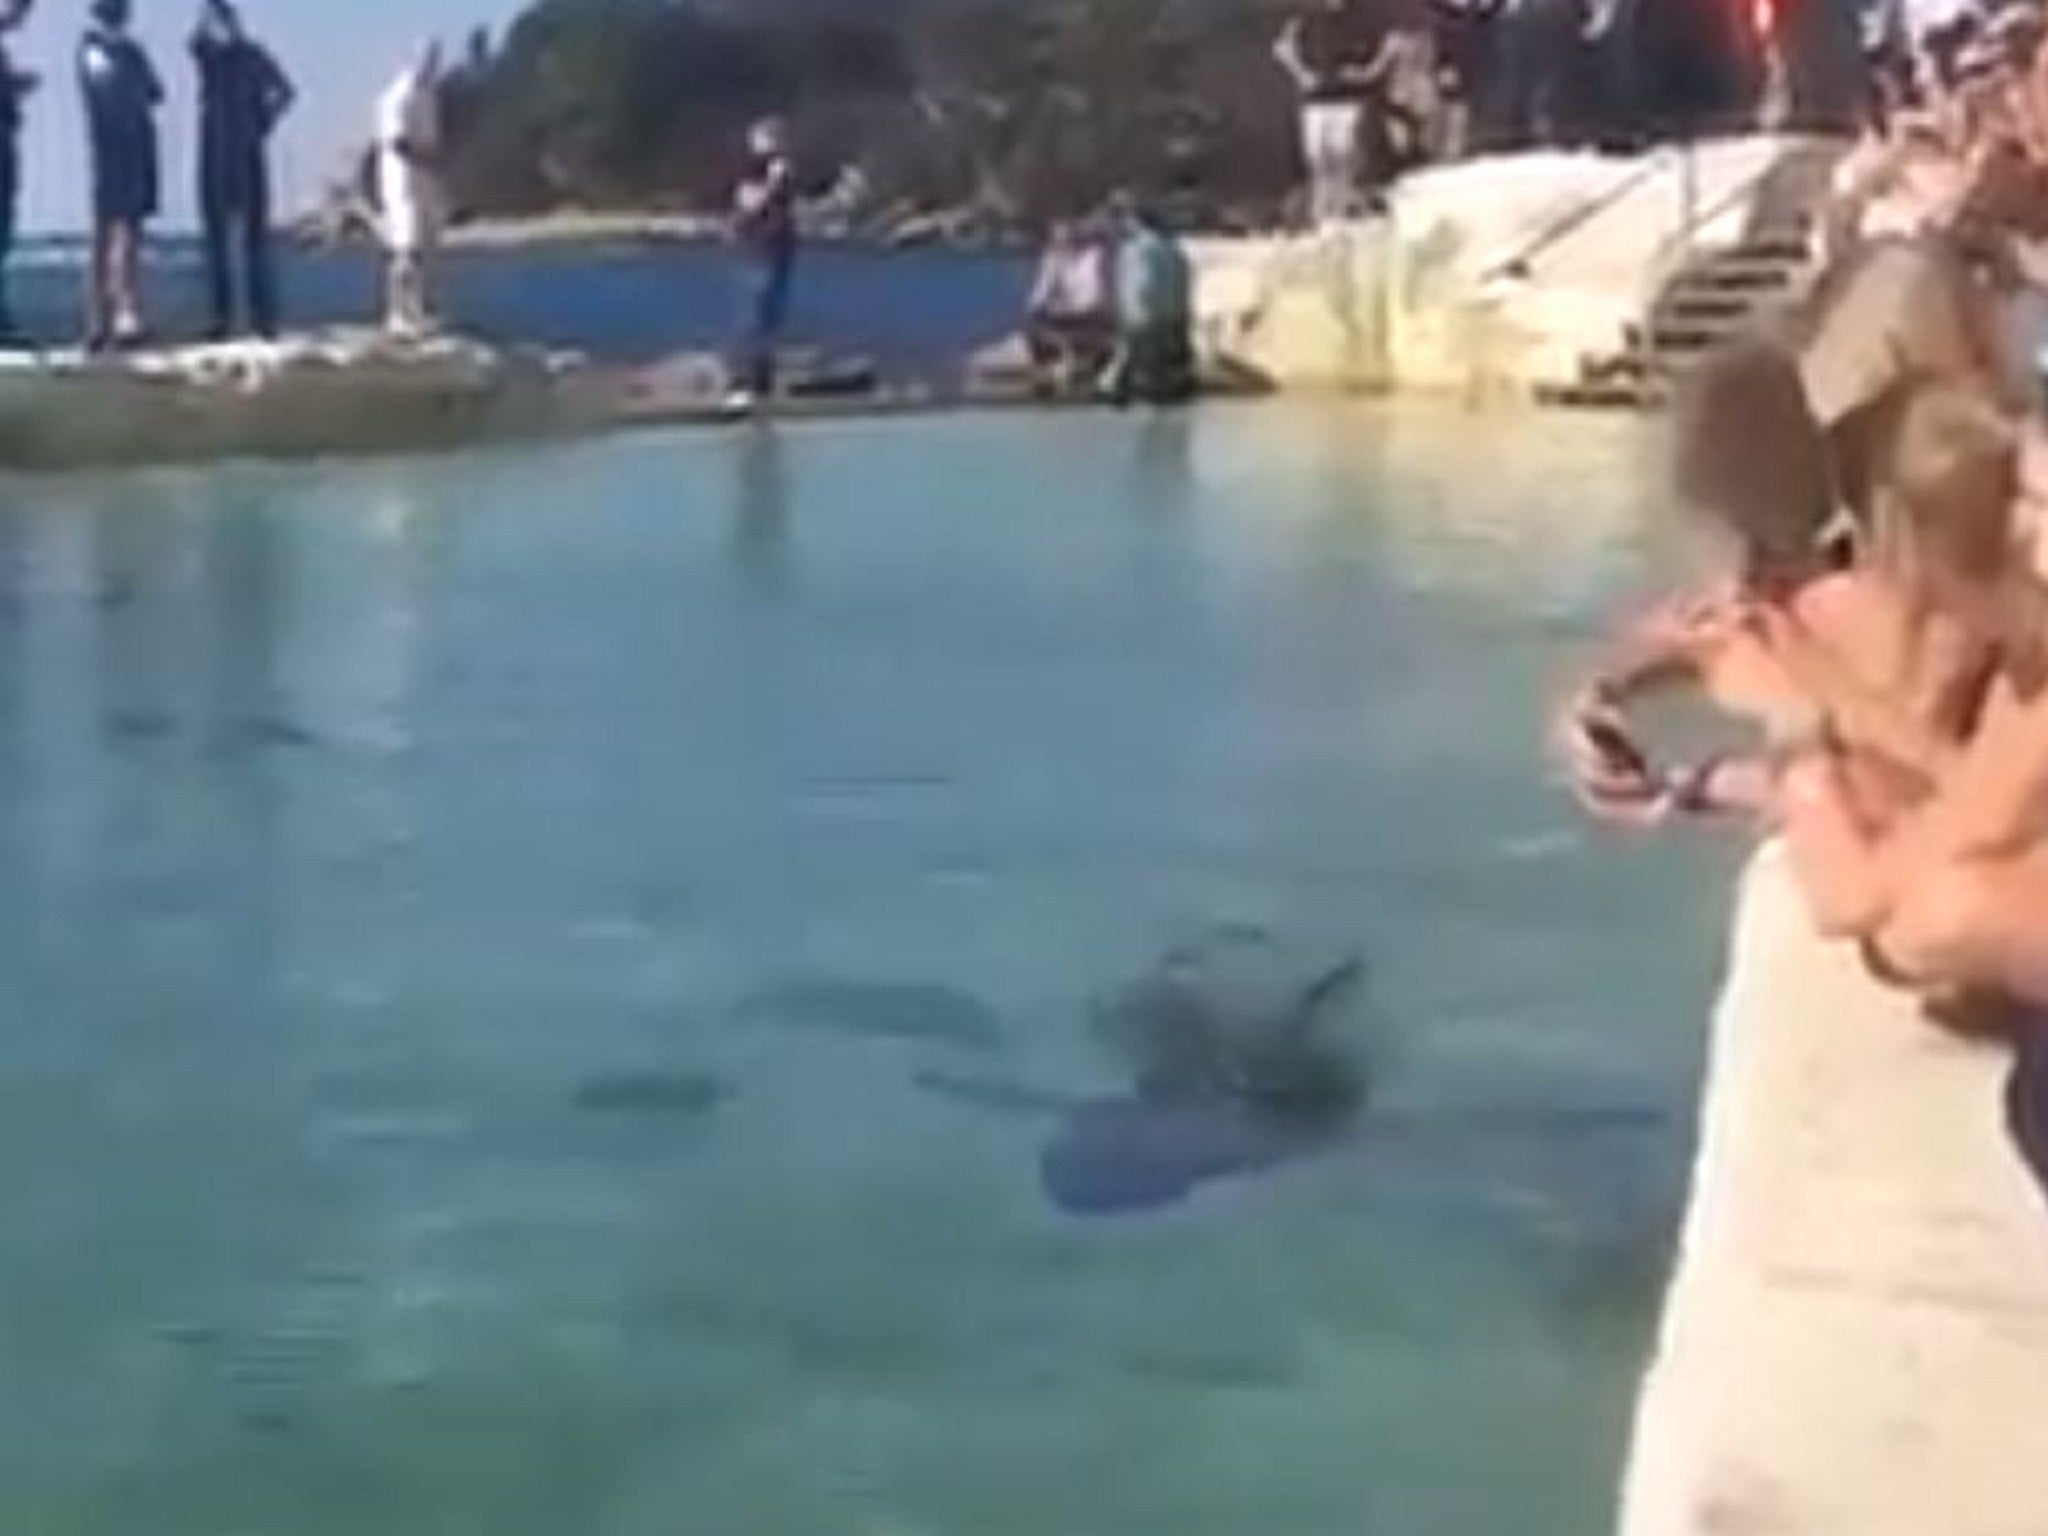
(1694, 336)
(1745, 279)
(1705, 304)
(1641, 396)
(1621, 367)
(1796, 248)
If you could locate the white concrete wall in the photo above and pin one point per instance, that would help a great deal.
(1855, 1342)
(1502, 272)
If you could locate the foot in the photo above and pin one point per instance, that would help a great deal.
(740, 402)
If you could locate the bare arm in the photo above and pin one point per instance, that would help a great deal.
(1287, 53)
(1859, 879)
(1848, 876)
(1905, 730)
(1381, 64)
(1995, 803)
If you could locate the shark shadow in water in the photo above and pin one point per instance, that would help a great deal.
(1238, 1065)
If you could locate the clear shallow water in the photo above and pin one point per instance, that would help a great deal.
(395, 859)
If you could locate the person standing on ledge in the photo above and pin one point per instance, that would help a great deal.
(764, 225)
(15, 88)
(122, 93)
(1329, 50)
(1155, 359)
(409, 188)
(243, 95)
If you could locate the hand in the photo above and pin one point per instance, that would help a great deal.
(1610, 775)
(1723, 785)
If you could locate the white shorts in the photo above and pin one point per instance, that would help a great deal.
(1329, 132)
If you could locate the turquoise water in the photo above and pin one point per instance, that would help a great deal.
(401, 864)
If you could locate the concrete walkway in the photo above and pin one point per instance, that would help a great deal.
(1856, 1339)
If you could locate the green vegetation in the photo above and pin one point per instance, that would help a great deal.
(985, 115)
(1006, 111)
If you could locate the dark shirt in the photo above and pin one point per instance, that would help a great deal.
(13, 88)
(121, 95)
(242, 94)
(1335, 43)
(766, 212)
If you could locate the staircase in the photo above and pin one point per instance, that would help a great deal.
(1710, 299)
(1712, 292)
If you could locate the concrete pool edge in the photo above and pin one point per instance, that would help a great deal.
(1855, 1334)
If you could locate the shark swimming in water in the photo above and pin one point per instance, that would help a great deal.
(1239, 1062)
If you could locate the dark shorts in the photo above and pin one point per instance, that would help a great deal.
(1159, 365)
(124, 181)
(2026, 1100)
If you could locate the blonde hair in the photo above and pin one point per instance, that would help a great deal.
(1945, 478)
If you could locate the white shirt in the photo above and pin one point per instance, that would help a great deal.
(409, 113)
(1072, 283)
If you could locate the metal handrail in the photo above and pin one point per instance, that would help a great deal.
(1679, 247)
(1576, 218)
(1682, 245)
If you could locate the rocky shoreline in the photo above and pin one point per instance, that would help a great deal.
(953, 229)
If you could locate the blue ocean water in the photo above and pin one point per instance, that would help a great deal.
(911, 311)
(533, 983)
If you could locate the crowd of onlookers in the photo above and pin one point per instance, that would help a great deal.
(243, 94)
(1386, 85)
(1874, 467)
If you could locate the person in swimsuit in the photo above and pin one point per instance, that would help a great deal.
(122, 93)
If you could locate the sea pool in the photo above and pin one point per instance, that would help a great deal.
(483, 936)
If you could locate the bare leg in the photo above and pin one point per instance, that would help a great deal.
(125, 245)
(423, 292)
(99, 318)
(402, 297)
